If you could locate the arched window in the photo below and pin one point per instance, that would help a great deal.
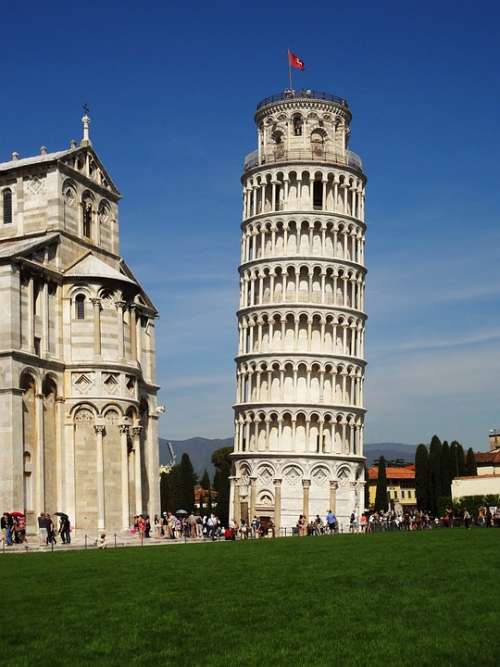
(87, 214)
(317, 195)
(277, 137)
(318, 143)
(7, 206)
(80, 307)
(87, 219)
(297, 125)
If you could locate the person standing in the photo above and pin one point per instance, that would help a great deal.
(51, 530)
(8, 525)
(331, 521)
(65, 529)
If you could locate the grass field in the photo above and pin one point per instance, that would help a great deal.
(428, 598)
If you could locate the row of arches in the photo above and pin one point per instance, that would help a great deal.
(269, 470)
(303, 283)
(301, 332)
(300, 382)
(294, 190)
(85, 461)
(299, 432)
(118, 322)
(329, 239)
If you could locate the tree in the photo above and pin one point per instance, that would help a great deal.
(422, 477)
(457, 459)
(223, 464)
(187, 482)
(170, 490)
(367, 488)
(470, 463)
(445, 470)
(435, 473)
(461, 460)
(381, 503)
(205, 486)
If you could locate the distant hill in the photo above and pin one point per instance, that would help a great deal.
(200, 451)
(390, 450)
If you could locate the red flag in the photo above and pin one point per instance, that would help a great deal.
(295, 61)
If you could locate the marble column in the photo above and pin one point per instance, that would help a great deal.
(99, 429)
(61, 501)
(136, 439)
(236, 501)
(306, 485)
(277, 506)
(333, 496)
(120, 305)
(45, 319)
(133, 333)
(40, 462)
(97, 326)
(125, 481)
(253, 498)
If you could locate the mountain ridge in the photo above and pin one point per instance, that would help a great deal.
(200, 451)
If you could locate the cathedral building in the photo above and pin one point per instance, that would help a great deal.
(299, 413)
(78, 410)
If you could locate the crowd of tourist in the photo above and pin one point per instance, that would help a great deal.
(184, 525)
(13, 526)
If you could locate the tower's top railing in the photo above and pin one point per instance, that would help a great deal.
(302, 94)
(276, 155)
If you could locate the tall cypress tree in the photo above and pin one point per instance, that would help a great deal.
(205, 486)
(188, 480)
(470, 463)
(422, 477)
(435, 473)
(172, 489)
(445, 470)
(454, 459)
(381, 494)
(461, 459)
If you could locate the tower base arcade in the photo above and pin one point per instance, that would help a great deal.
(282, 488)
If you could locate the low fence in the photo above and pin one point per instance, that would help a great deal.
(117, 540)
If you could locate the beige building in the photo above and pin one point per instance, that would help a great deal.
(78, 411)
(299, 412)
(487, 480)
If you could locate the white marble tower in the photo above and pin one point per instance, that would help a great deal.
(300, 367)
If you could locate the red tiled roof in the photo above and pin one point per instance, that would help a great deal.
(492, 457)
(406, 472)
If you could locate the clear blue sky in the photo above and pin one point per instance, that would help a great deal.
(172, 89)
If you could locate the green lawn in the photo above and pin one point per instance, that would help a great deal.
(392, 599)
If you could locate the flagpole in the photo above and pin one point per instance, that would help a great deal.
(289, 70)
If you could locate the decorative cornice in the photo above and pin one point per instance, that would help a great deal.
(313, 260)
(305, 216)
(303, 306)
(301, 356)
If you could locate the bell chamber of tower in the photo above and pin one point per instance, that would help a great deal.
(299, 415)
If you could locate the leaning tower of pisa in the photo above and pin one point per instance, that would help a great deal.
(299, 415)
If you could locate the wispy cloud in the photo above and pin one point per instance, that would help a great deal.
(440, 343)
